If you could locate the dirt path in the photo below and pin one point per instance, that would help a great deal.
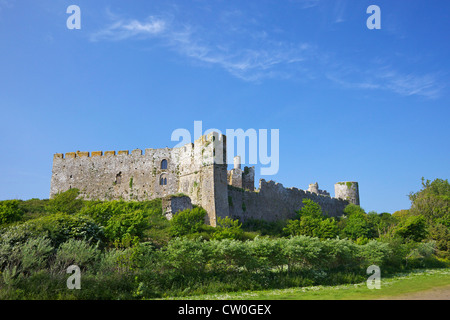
(441, 293)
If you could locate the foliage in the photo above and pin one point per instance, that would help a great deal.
(227, 228)
(355, 224)
(34, 253)
(33, 208)
(310, 209)
(432, 201)
(10, 211)
(412, 229)
(132, 224)
(102, 211)
(58, 227)
(440, 234)
(352, 209)
(75, 252)
(128, 250)
(66, 202)
(263, 227)
(311, 222)
(187, 221)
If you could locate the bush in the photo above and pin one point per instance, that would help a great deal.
(263, 227)
(227, 228)
(34, 254)
(59, 228)
(267, 253)
(230, 255)
(101, 212)
(132, 224)
(311, 222)
(10, 211)
(66, 202)
(311, 209)
(187, 221)
(75, 252)
(186, 256)
(303, 252)
(413, 229)
(374, 252)
(356, 225)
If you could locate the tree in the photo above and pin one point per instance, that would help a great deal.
(311, 222)
(356, 225)
(414, 228)
(310, 208)
(432, 201)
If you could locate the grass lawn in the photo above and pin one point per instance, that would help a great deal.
(407, 283)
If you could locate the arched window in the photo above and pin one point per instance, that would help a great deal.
(164, 164)
(163, 180)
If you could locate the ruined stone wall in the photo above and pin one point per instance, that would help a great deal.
(272, 202)
(198, 170)
(121, 175)
(192, 169)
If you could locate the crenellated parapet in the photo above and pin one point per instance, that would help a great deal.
(93, 154)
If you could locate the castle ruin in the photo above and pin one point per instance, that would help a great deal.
(197, 170)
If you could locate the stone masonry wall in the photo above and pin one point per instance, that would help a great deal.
(272, 202)
(191, 169)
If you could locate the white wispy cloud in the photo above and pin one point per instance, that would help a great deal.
(305, 4)
(250, 63)
(122, 29)
(251, 54)
(390, 79)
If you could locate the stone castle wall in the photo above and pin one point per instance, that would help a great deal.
(272, 202)
(198, 170)
(191, 169)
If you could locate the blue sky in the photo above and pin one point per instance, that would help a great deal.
(351, 104)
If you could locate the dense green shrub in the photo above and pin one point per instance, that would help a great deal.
(10, 211)
(34, 254)
(59, 228)
(356, 225)
(132, 224)
(187, 221)
(75, 252)
(227, 228)
(186, 256)
(102, 211)
(66, 202)
(312, 222)
(263, 227)
(412, 229)
(374, 253)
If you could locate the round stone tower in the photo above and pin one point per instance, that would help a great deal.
(347, 190)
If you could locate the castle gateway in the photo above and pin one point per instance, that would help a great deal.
(197, 170)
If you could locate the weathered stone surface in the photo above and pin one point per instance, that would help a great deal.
(191, 170)
(273, 202)
(174, 204)
(348, 190)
